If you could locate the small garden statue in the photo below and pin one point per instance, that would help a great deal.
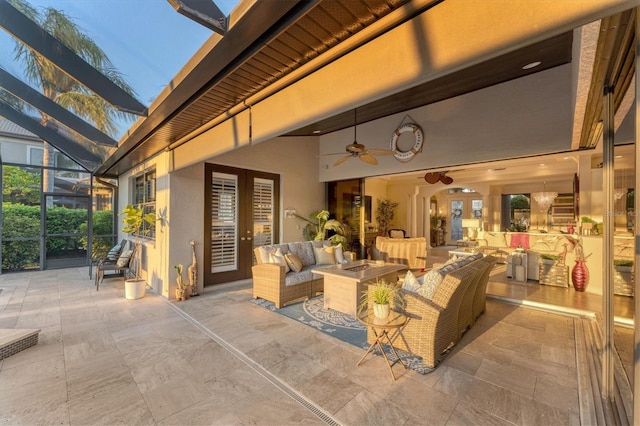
(192, 272)
(183, 291)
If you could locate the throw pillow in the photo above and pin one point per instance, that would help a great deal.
(114, 252)
(294, 262)
(263, 252)
(431, 281)
(325, 255)
(124, 258)
(278, 258)
(338, 252)
(410, 282)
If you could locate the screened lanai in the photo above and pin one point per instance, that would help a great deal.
(262, 71)
(65, 102)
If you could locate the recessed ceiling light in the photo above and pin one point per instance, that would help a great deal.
(531, 65)
(315, 132)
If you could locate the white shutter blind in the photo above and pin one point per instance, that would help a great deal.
(224, 215)
(262, 212)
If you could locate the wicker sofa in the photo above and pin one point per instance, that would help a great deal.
(436, 325)
(272, 281)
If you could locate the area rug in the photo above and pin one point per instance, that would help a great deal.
(341, 326)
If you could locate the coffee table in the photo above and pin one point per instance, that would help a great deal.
(344, 284)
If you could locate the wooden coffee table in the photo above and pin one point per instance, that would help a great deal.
(344, 284)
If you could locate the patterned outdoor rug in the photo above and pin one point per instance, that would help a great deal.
(341, 326)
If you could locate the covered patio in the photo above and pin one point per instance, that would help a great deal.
(219, 359)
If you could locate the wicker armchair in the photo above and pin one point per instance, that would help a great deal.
(433, 324)
(269, 284)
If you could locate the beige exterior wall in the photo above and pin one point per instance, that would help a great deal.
(182, 213)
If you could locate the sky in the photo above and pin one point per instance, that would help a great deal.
(148, 41)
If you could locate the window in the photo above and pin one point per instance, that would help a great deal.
(144, 194)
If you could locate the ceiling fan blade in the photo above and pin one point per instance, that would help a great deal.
(342, 160)
(368, 158)
(332, 153)
(447, 180)
(432, 177)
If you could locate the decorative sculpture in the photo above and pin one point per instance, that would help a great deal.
(192, 272)
(563, 256)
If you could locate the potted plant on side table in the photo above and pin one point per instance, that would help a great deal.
(382, 296)
(133, 220)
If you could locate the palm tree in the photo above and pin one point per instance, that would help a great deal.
(62, 89)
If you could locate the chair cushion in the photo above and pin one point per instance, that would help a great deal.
(124, 258)
(294, 262)
(114, 253)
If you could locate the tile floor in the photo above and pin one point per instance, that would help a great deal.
(219, 359)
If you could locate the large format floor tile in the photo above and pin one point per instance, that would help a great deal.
(219, 359)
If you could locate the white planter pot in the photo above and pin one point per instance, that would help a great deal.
(381, 311)
(134, 289)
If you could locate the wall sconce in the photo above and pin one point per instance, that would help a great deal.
(289, 213)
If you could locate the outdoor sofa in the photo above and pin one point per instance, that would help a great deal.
(276, 281)
(437, 321)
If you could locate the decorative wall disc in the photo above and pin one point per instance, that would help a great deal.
(408, 155)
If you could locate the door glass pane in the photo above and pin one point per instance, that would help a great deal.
(21, 196)
(456, 219)
(66, 230)
(476, 209)
(262, 212)
(224, 230)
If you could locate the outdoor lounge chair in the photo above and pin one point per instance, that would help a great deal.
(104, 256)
(122, 267)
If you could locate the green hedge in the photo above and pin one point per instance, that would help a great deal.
(20, 221)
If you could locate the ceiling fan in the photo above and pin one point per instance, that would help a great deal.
(358, 150)
(435, 177)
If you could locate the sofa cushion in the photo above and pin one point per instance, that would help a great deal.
(293, 278)
(325, 255)
(519, 240)
(430, 283)
(304, 250)
(277, 258)
(411, 283)
(294, 262)
(338, 252)
(495, 239)
(264, 251)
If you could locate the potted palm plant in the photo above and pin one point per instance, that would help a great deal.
(133, 220)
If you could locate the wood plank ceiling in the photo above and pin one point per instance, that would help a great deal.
(307, 31)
